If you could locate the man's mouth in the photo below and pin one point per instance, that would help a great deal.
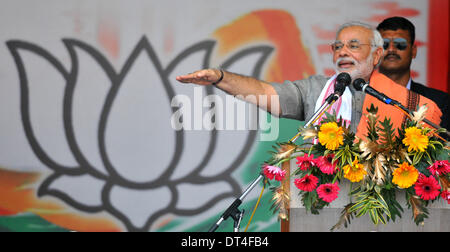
(345, 64)
(392, 57)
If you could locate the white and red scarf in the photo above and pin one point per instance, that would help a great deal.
(343, 106)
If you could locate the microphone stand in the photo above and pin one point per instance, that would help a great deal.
(399, 105)
(233, 210)
(325, 106)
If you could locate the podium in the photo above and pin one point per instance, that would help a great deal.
(301, 221)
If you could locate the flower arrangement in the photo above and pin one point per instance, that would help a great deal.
(412, 161)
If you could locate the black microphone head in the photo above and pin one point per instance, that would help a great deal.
(342, 81)
(339, 87)
(344, 78)
(359, 83)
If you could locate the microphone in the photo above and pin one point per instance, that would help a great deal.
(342, 81)
(361, 85)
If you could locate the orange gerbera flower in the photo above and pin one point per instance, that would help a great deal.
(414, 139)
(354, 172)
(405, 175)
(331, 135)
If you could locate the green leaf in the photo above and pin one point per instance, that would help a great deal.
(381, 217)
(345, 219)
(373, 216)
(417, 157)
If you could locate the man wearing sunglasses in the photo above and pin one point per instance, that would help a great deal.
(399, 49)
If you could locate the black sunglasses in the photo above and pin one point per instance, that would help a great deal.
(399, 43)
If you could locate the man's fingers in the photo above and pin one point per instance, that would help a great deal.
(183, 78)
(203, 77)
(187, 78)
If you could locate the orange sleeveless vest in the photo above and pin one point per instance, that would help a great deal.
(399, 93)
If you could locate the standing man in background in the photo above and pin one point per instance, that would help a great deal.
(399, 49)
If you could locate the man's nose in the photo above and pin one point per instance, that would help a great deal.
(343, 52)
(391, 47)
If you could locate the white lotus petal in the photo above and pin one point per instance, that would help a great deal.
(139, 205)
(197, 140)
(89, 96)
(84, 190)
(139, 124)
(233, 140)
(187, 194)
(46, 108)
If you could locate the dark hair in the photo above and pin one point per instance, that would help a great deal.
(395, 23)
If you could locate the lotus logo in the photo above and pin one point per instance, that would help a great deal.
(106, 138)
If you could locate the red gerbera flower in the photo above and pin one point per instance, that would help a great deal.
(427, 187)
(441, 167)
(325, 164)
(305, 162)
(308, 183)
(328, 192)
(446, 196)
(272, 172)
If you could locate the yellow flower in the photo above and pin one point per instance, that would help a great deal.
(414, 139)
(405, 175)
(354, 172)
(331, 135)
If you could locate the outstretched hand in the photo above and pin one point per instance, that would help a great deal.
(201, 77)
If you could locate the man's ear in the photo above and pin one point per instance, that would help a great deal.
(414, 51)
(378, 56)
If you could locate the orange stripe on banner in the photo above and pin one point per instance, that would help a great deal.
(291, 60)
(108, 37)
(438, 45)
(241, 31)
(293, 56)
(18, 195)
